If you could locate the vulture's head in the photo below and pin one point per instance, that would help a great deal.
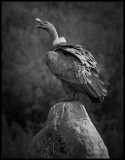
(49, 27)
(45, 25)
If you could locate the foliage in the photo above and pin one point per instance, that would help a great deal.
(28, 87)
(14, 140)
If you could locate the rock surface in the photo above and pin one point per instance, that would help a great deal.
(69, 133)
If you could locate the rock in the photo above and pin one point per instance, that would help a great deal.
(69, 133)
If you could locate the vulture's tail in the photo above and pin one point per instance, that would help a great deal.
(97, 90)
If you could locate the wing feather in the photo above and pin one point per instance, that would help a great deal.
(83, 55)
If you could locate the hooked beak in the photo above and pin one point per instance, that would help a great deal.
(41, 22)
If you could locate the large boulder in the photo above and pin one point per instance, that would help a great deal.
(69, 133)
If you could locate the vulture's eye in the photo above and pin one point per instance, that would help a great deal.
(45, 22)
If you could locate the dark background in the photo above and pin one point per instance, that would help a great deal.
(28, 87)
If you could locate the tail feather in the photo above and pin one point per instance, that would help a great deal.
(98, 86)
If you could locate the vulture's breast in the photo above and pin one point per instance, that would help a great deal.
(52, 57)
(57, 61)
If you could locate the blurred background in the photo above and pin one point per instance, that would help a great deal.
(29, 88)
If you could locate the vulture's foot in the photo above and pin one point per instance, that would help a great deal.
(63, 100)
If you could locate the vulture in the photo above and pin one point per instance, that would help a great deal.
(74, 66)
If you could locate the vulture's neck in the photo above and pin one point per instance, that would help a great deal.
(56, 40)
(59, 41)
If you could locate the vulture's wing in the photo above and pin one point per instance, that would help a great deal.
(83, 55)
(79, 69)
